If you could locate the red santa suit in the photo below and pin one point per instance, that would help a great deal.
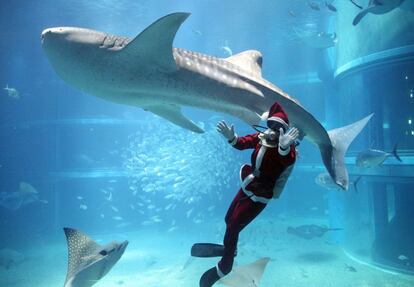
(261, 181)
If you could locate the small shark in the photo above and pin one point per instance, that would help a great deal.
(309, 231)
(325, 180)
(25, 195)
(88, 261)
(377, 7)
(227, 50)
(12, 92)
(246, 275)
(314, 6)
(317, 40)
(374, 157)
(292, 13)
(148, 72)
(331, 7)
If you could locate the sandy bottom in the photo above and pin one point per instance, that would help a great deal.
(158, 259)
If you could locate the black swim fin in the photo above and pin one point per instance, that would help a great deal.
(207, 250)
(209, 278)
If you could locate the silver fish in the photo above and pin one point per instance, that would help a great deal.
(373, 157)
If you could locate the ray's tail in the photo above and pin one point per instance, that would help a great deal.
(395, 152)
(334, 156)
(356, 183)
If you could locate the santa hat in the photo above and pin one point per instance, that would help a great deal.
(277, 118)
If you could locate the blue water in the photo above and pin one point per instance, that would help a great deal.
(117, 172)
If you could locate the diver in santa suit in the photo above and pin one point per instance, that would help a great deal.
(272, 161)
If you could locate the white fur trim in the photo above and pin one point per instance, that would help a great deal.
(264, 116)
(284, 152)
(280, 120)
(259, 160)
(234, 141)
(255, 198)
(250, 194)
(247, 180)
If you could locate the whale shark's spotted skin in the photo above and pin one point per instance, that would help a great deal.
(147, 72)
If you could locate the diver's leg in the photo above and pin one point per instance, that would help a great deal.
(238, 217)
(211, 249)
(209, 277)
(239, 196)
(240, 213)
(212, 275)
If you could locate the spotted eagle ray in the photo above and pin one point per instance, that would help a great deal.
(246, 275)
(88, 261)
(148, 72)
(26, 194)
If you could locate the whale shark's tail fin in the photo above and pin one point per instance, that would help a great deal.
(334, 156)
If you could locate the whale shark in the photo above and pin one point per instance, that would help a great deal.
(147, 72)
(318, 40)
(88, 261)
(377, 7)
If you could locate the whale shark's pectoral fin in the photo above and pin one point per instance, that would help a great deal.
(173, 114)
(152, 48)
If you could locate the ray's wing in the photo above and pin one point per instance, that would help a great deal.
(12, 201)
(246, 275)
(79, 246)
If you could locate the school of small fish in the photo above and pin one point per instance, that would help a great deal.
(169, 170)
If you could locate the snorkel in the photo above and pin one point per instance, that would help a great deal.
(270, 137)
(268, 133)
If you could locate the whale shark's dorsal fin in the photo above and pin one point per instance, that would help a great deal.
(79, 246)
(250, 61)
(152, 48)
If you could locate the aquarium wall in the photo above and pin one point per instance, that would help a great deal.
(374, 74)
(374, 33)
(119, 172)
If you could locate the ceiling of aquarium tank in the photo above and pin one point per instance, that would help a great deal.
(204, 143)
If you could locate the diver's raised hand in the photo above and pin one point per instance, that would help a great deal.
(285, 140)
(225, 130)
